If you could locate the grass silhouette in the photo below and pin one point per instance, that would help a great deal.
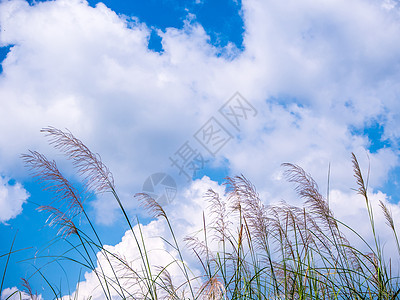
(264, 251)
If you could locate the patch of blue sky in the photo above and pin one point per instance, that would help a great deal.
(33, 2)
(155, 42)
(216, 173)
(221, 19)
(36, 245)
(3, 54)
(288, 100)
(40, 245)
(392, 186)
(374, 131)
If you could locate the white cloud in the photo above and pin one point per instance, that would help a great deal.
(129, 266)
(314, 71)
(15, 294)
(186, 215)
(186, 221)
(95, 76)
(328, 55)
(351, 209)
(12, 196)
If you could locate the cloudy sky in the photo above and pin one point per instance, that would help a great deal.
(195, 90)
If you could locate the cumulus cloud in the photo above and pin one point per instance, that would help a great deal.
(14, 294)
(348, 207)
(351, 209)
(95, 76)
(317, 73)
(12, 197)
(162, 253)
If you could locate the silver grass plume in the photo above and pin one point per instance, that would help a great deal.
(97, 176)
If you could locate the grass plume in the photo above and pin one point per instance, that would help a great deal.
(247, 249)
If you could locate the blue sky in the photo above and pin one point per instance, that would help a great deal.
(221, 19)
(138, 81)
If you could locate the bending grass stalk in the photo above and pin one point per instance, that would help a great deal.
(6, 266)
(153, 207)
(278, 252)
(97, 178)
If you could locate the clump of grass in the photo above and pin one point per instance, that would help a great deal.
(116, 276)
(246, 249)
